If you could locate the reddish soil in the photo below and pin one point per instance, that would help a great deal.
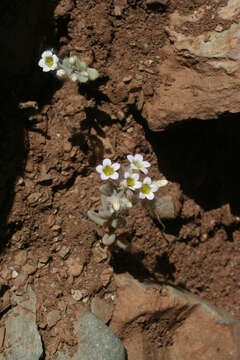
(51, 146)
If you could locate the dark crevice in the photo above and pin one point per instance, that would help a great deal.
(62, 25)
(26, 32)
(202, 156)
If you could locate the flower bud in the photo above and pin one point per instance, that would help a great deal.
(61, 74)
(72, 60)
(74, 77)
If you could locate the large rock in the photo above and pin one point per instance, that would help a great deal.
(202, 81)
(96, 341)
(161, 322)
(22, 340)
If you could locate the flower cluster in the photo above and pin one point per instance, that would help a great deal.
(131, 180)
(118, 197)
(70, 68)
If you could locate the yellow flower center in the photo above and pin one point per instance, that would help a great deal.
(49, 61)
(146, 189)
(130, 182)
(137, 164)
(108, 170)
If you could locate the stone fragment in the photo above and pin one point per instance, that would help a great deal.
(75, 267)
(14, 274)
(179, 318)
(120, 115)
(96, 340)
(28, 105)
(53, 317)
(203, 92)
(64, 251)
(101, 309)
(106, 276)
(67, 146)
(20, 258)
(29, 269)
(117, 11)
(34, 197)
(44, 259)
(20, 280)
(163, 207)
(6, 273)
(127, 79)
(22, 337)
(79, 294)
(99, 253)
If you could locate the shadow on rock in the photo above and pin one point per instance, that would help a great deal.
(24, 29)
(202, 156)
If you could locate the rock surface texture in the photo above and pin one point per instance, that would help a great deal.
(96, 341)
(160, 322)
(22, 338)
(210, 86)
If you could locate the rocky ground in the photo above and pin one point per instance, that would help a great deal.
(169, 90)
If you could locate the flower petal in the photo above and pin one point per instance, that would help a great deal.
(126, 175)
(107, 162)
(154, 187)
(147, 180)
(104, 177)
(135, 176)
(41, 63)
(46, 69)
(141, 195)
(114, 176)
(55, 58)
(146, 164)
(132, 166)
(130, 158)
(138, 185)
(145, 171)
(124, 183)
(99, 169)
(116, 166)
(150, 196)
(47, 53)
(138, 157)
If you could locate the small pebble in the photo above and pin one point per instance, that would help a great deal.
(53, 317)
(64, 251)
(79, 294)
(14, 274)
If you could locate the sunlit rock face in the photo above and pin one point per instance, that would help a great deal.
(203, 67)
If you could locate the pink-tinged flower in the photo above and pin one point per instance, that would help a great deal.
(147, 189)
(131, 181)
(108, 170)
(137, 163)
(48, 61)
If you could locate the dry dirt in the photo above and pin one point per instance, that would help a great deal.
(53, 135)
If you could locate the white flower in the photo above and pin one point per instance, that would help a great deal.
(48, 61)
(137, 163)
(148, 188)
(108, 170)
(131, 181)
